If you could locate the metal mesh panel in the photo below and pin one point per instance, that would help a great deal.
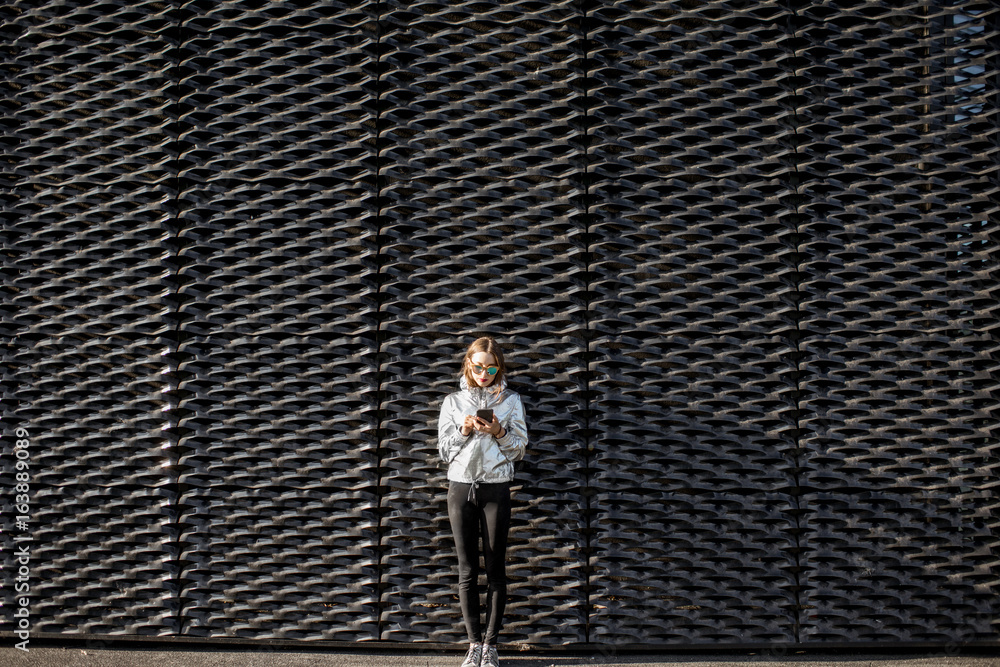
(478, 233)
(900, 324)
(276, 436)
(83, 311)
(691, 314)
(742, 255)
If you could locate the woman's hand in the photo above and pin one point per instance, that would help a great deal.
(473, 423)
(470, 424)
(493, 428)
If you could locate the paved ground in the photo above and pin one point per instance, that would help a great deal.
(72, 657)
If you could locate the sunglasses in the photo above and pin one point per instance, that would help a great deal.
(492, 370)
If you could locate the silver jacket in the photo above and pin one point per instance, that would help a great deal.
(480, 457)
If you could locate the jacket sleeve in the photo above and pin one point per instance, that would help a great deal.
(515, 440)
(450, 438)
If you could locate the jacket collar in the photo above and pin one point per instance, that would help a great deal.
(464, 384)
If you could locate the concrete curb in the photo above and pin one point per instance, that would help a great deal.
(90, 657)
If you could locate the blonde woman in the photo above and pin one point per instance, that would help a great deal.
(481, 433)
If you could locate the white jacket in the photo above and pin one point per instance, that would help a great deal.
(480, 457)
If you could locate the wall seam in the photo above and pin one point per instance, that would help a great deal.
(379, 296)
(588, 419)
(798, 198)
(174, 358)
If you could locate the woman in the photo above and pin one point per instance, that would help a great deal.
(481, 433)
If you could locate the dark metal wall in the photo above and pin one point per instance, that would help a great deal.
(743, 256)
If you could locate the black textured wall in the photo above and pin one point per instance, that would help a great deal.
(743, 257)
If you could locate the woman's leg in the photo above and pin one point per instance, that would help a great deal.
(464, 517)
(495, 513)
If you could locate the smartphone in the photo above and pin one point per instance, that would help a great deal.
(485, 415)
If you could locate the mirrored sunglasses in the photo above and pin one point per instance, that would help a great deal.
(492, 370)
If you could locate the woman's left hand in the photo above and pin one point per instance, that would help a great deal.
(494, 428)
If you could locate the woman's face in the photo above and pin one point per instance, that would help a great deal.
(484, 360)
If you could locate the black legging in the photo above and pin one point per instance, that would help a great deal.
(485, 512)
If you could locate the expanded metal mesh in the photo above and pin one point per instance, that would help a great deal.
(742, 256)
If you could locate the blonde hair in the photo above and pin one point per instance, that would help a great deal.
(484, 344)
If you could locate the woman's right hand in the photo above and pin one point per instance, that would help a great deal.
(473, 423)
(468, 425)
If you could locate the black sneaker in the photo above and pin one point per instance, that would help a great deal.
(474, 657)
(490, 657)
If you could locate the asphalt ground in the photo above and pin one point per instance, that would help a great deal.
(89, 657)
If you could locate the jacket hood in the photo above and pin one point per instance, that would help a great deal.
(464, 384)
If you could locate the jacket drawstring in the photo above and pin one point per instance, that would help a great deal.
(472, 492)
